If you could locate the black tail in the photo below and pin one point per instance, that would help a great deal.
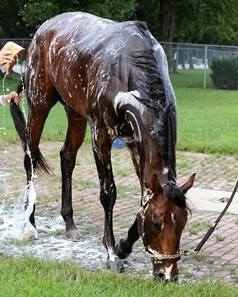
(20, 126)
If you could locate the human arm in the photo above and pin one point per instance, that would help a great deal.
(7, 98)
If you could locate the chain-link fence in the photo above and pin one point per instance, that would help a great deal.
(196, 56)
(180, 55)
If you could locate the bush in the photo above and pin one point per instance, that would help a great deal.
(225, 73)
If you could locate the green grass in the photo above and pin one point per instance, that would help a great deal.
(56, 123)
(30, 277)
(191, 78)
(207, 119)
(196, 227)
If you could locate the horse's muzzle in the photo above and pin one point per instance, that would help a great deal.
(165, 273)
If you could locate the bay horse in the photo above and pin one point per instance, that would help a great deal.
(113, 76)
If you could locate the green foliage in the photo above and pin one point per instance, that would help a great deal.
(148, 11)
(34, 12)
(225, 73)
(11, 23)
(196, 21)
(207, 21)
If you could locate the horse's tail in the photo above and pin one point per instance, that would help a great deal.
(20, 126)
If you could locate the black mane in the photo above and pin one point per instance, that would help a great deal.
(151, 87)
(176, 195)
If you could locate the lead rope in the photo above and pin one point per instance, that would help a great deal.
(212, 228)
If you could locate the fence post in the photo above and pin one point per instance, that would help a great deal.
(205, 68)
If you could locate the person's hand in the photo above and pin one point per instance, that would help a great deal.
(16, 97)
(6, 56)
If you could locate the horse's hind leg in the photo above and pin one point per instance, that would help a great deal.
(75, 136)
(34, 129)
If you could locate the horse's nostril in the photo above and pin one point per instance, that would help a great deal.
(161, 275)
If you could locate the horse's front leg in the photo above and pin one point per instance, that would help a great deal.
(125, 245)
(75, 136)
(102, 154)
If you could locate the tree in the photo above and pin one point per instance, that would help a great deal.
(148, 11)
(35, 12)
(167, 9)
(192, 21)
(207, 21)
(160, 18)
(11, 24)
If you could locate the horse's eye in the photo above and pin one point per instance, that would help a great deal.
(157, 224)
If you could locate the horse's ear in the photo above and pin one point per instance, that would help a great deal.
(156, 187)
(188, 185)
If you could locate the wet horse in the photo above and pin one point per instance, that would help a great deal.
(113, 76)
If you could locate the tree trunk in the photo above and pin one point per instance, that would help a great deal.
(166, 27)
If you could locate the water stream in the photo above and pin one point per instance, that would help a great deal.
(22, 228)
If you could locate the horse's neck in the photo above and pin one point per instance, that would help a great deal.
(151, 162)
(154, 172)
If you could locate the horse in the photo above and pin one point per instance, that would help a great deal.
(114, 77)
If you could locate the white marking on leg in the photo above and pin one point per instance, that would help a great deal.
(29, 230)
(112, 255)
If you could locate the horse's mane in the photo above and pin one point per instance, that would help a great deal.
(176, 195)
(150, 85)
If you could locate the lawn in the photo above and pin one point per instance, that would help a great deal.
(207, 119)
(30, 277)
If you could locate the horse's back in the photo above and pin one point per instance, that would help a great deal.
(92, 58)
(75, 29)
(87, 51)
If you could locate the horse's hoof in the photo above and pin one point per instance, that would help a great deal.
(120, 251)
(30, 234)
(115, 265)
(73, 235)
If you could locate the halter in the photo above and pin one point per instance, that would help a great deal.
(156, 256)
(159, 258)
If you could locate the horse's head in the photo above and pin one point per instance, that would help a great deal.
(160, 222)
